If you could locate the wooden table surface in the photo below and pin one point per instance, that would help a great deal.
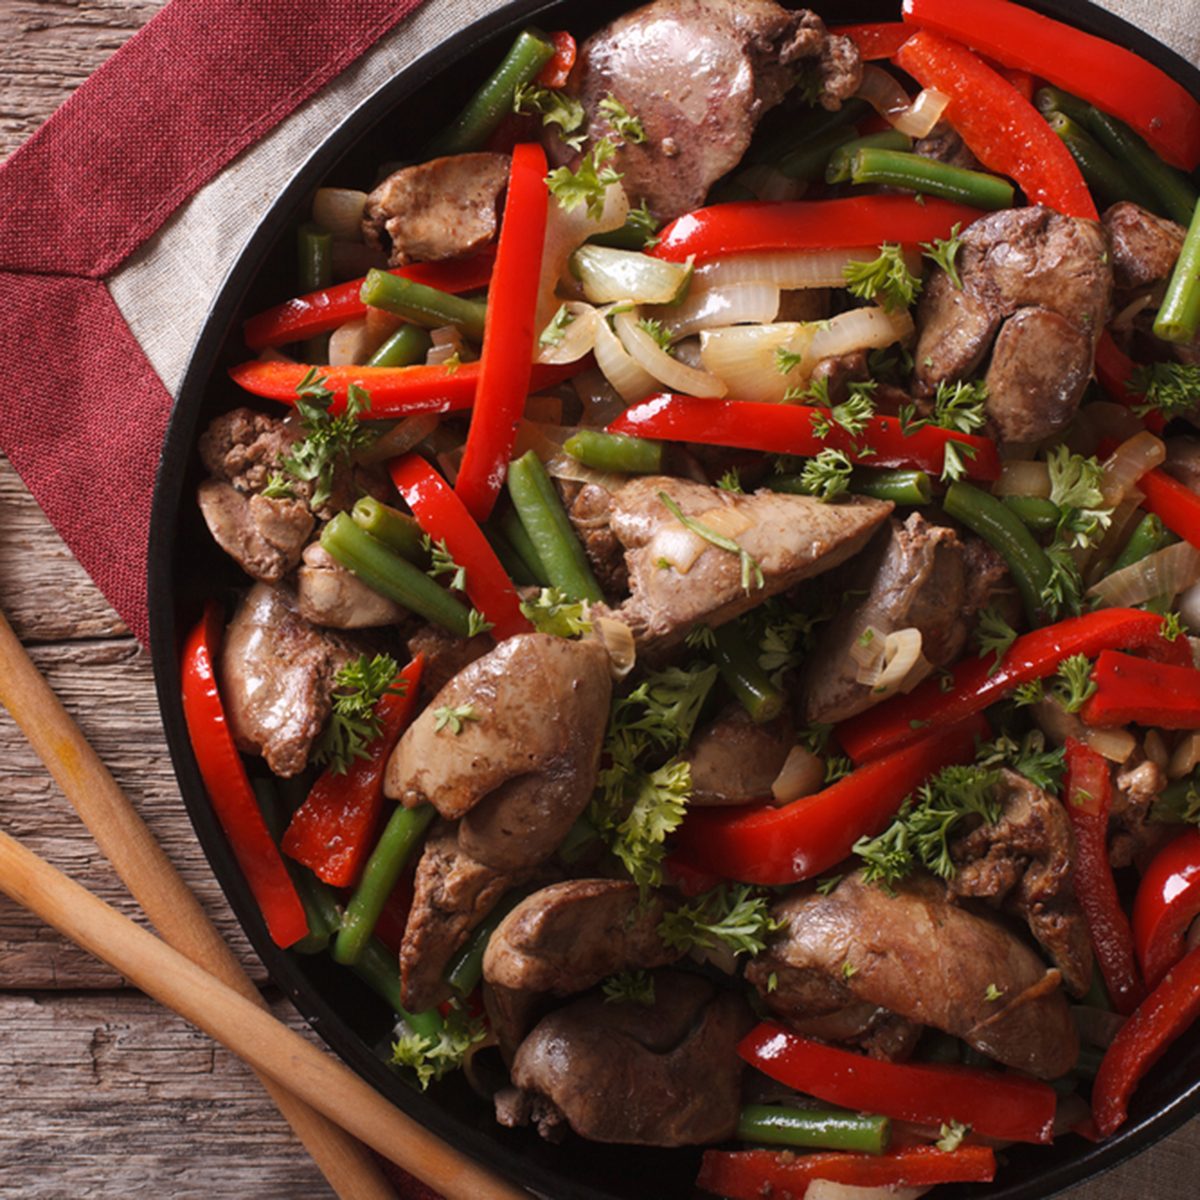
(102, 1094)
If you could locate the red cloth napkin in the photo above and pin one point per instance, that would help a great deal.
(83, 414)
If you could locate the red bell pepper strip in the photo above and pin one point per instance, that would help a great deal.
(1168, 901)
(508, 334)
(1114, 371)
(1088, 793)
(753, 1174)
(692, 880)
(978, 683)
(1176, 505)
(1109, 76)
(229, 789)
(1004, 131)
(1134, 690)
(1021, 80)
(809, 225)
(771, 845)
(996, 1105)
(333, 831)
(788, 429)
(395, 391)
(554, 74)
(875, 39)
(1165, 1014)
(323, 311)
(442, 515)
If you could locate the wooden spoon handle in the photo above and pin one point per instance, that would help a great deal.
(239, 1024)
(152, 880)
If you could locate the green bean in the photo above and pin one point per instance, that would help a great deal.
(549, 528)
(1175, 193)
(807, 162)
(1003, 530)
(408, 345)
(1049, 100)
(795, 134)
(394, 848)
(738, 664)
(489, 106)
(827, 1129)
(510, 525)
(392, 576)
(510, 560)
(840, 161)
(1107, 178)
(615, 452)
(425, 305)
(919, 174)
(1147, 537)
(899, 486)
(638, 232)
(396, 530)
(320, 909)
(1179, 315)
(466, 967)
(314, 255)
(378, 969)
(1037, 513)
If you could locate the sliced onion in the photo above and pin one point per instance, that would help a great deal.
(1189, 607)
(735, 304)
(598, 399)
(618, 641)
(1184, 757)
(1124, 517)
(870, 328)
(652, 358)
(1096, 1026)
(1023, 478)
(1128, 463)
(676, 545)
(1116, 745)
(867, 651)
(631, 380)
(1155, 749)
(1163, 573)
(544, 440)
(1056, 723)
(400, 439)
(609, 275)
(339, 211)
(1124, 319)
(802, 774)
(744, 357)
(885, 95)
(726, 520)
(566, 231)
(901, 653)
(1099, 421)
(351, 344)
(448, 343)
(688, 352)
(578, 337)
(788, 269)
(826, 1189)
(567, 466)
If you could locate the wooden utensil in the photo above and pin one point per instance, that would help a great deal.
(241, 1025)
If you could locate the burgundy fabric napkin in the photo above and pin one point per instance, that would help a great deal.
(83, 413)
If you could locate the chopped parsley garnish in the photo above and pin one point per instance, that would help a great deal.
(477, 623)
(1169, 388)
(1064, 588)
(827, 476)
(329, 441)
(944, 252)
(556, 108)
(735, 918)
(453, 717)
(442, 563)
(887, 279)
(654, 327)
(433, 1056)
(837, 766)
(752, 576)
(731, 481)
(553, 611)
(1073, 685)
(629, 987)
(958, 406)
(849, 970)
(556, 330)
(920, 833)
(588, 183)
(1075, 489)
(994, 635)
(852, 414)
(951, 1135)
(623, 122)
(353, 723)
(700, 637)
(1029, 757)
(993, 993)
(1028, 693)
(829, 884)
(278, 488)
(1172, 627)
(787, 361)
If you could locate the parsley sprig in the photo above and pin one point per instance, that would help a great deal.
(827, 476)
(886, 278)
(1169, 388)
(588, 183)
(354, 721)
(1073, 685)
(736, 918)
(629, 987)
(1029, 757)
(994, 635)
(433, 1056)
(553, 611)
(556, 107)
(944, 253)
(624, 124)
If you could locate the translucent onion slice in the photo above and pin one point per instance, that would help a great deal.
(867, 651)
(1155, 748)
(1023, 478)
(869, 328)
(1128, 463)
(400, 439)
(1124, 319)
(786, 269)
(351, 344)
(827, 1189)
(598, 398)
(1184, 757)
(802, 774)
(631, 380)
(922, 115)
(1189, 607)
(578, 338)
(1117, 745)
(885, 95)
(618, 641)
(339, 211)
(652, 358)
(726, 520)
(901, 653)
(735, 304)
(543, 439)
(745, 357)
(567, 466)
(676, 545)
(1164, 573)
(608, 275)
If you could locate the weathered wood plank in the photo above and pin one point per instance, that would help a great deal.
(108, 688)
(108, 1096)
